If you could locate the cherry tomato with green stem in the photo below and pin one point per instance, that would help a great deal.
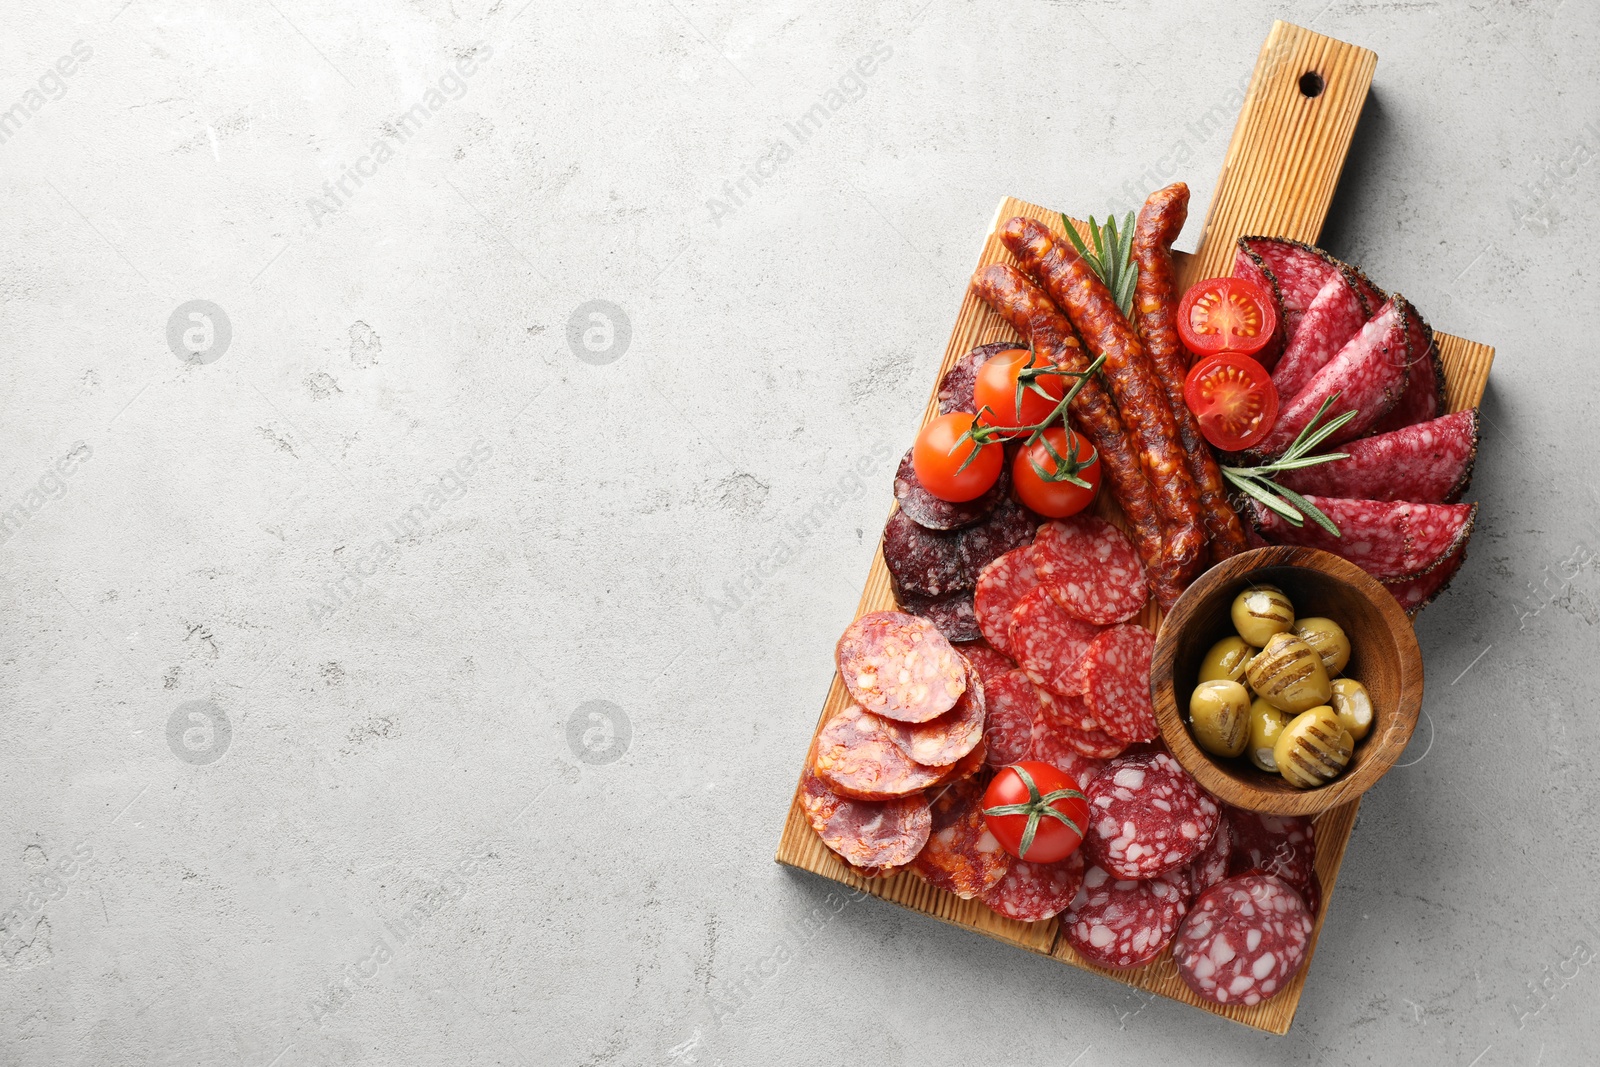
(997, 397)
(1036, 811)
(1058, 475)
(950, 464)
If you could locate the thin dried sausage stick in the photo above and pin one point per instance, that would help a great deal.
(1155, 302)
(1030, 313)
(1141, 400)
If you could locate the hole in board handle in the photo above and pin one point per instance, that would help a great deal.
(1311, 84)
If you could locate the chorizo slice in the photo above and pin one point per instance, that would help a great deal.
(900, 666)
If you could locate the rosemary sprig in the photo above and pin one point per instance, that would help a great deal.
(1112, 258)
(1257, 481)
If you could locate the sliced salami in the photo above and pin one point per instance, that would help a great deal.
(1148, 816)
(1048, 641)
(1121, 923)
(929, 511)
(1013, 707)
(989, 662)
(1281, 845)
(952, 613)
(1426, 462)
(1211, 866)
(1390, 540)
(900, 666)
(1034, 892)
(962, 856)
(1335, 315)
(1414, 594)
(942, 741)
(1246, 264)
(968, 766)
(1116, 683)
(1424, 396)
(1074, 710)
(858, 758)
(956, 387)
(1368, 374)
(1091, 569)
(1300, 271)
(878, 834)
(923, 562)
(1001, 586)
(1244, 940)
(1008, 526)
(1056, 736)
(816, 799)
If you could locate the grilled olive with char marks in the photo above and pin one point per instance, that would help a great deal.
(1289, 674)
(1261, 612)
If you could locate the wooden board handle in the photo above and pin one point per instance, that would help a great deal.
(1289, 146)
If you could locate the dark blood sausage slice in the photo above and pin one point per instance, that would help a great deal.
(1057, 735)
(857, 757)
(1244, 940)
(1135, 383)
(1424, 397)
(1414, 594)
(1008, 526)
(1116, 683)
(941, 742)
(962, 856)
(1001, 586)
(1369, 374)
(1025, 307)
(1089, 567)
(990, 663)
(1336, 314)
(1155, 303)
(951, 613)
(900, 666)
(923, 561)
(1427, 463)
(875, 834)
(1248, 265)
(956, 387)
(1300, 271)
(1034, 892)
(1390, 540)
(1281, 845)
(1049, 642)
(1013, 707)
(927, 510)
(1122, 923)
(1147, 816)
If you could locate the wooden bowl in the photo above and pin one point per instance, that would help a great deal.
(1384, 657)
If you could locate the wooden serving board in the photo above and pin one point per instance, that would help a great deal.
(1278, 178)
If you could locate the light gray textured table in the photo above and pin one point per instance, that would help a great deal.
(423, 678)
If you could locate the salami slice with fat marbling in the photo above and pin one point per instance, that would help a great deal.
(942, 741)
(1001, 586)
(1013, 708)
(952, 613)
(1414, 594)
(857, 757)
(1243, 941)
(1426, 462)
(1390, 540)
(1335, 315)
(1057, 735)
(1116, 683)
(1147, 816)
(1049, 642)
(1091, 569)
(923, 562)
(1121, 923)
(934, 513)
(989, 661)
(1248, 265)
(876, 834)
(1034, 892)
(1284, 846)
(1211, 866)
(962, 855)
(1424, 396)
(1300, 271)
(900, 666)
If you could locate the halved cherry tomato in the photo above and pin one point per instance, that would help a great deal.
(940, 459)
(1227, 315)
(996, 389)
(1233, 399)
(1036, 811)
(1050, 493)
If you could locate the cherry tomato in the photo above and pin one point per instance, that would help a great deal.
(996, 389)
(1036, 811)
(1227, 315)
(1051, 494)
(940, 459)
(1233, 399)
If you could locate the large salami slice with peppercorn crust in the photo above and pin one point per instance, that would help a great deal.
(1147, 816)
(962, 856)
(927, 510)
(900, 666)
(1245, 938)
(1300, 271)
(1368, 374)
(1390, 540)
(942, 741)
(1049, 642)
(1013, 708)
(1284, 846)
(1424, 396)
(1251, 267)
(1091, 569)
(952, 613)
(1116, 683)
(1414, 594)
(1122, 923)
(1335, 315)
(1034, 892)
(1001, 586)
(959, 382)
(1427, 462)
(857, 757)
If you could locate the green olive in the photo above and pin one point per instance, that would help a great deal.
(1289, 674)
(1266, 723)
(1260, 612)
(1227, 660)
(1353, 705)
(1328, 638)
(1219, 713)
(1313, 749)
